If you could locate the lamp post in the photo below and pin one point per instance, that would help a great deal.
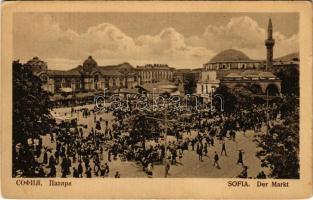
(165, 143)
(267, 114)
(94, 126)
(166, 121)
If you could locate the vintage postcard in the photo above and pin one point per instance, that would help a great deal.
(156, 99)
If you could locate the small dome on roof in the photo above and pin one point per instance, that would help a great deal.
(233, 74)
(89, 64)
(250, 73)
(36, 64)
(230, 55)
(267, 75)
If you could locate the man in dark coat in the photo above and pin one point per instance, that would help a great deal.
(51, 161)
(53, 171)
(88, 172)
(240, 157)
(80, 170)
(223, 148)
(45, 157)
(216, 158)
(200, 150)
(64, 167)
(106, 169)
(75, 173)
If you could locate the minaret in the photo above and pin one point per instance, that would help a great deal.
(269, 43)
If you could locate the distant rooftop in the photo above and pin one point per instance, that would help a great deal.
(154, 66)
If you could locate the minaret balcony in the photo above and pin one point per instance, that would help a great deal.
(269, 42)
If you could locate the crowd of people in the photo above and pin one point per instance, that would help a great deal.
(78, 154)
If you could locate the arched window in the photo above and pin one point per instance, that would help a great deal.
(114, 82)
(272, 90)
(63, 83)
(256, 89)
(57, 84)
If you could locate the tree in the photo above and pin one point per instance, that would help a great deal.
(236, 97)
(229, 100)
(31, 111)
(279, 149)
(189, 84)
(290, 80)
(144, 127)
(243, 95)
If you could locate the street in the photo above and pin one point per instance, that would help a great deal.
(188, 166)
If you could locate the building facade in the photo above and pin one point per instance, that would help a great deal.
(233, 68)
(155, 73)
(259, 82)
(232, 59)
(207, 82)
(88, 77)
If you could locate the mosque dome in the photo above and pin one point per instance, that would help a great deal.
(89, 64)
(230, 55)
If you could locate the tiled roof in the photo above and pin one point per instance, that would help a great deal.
(233, 74)
(63, 73)
(249, 73)
(109, 72)
(267, 75)
(125, 65)
(155, 66)
(78, 68)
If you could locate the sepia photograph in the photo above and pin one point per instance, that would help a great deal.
(156, 95)
(190, 95)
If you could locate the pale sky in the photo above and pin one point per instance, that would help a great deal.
(182, 40)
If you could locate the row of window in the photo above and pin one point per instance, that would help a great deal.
(233, 66)
(78, 85)
(157, 75)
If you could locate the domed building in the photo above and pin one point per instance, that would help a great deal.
(37, 65)
(88, 77)
(230, 64)
(258, 81)
(234, 68)
(89, 64)
(230, 55)
(232, 59)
